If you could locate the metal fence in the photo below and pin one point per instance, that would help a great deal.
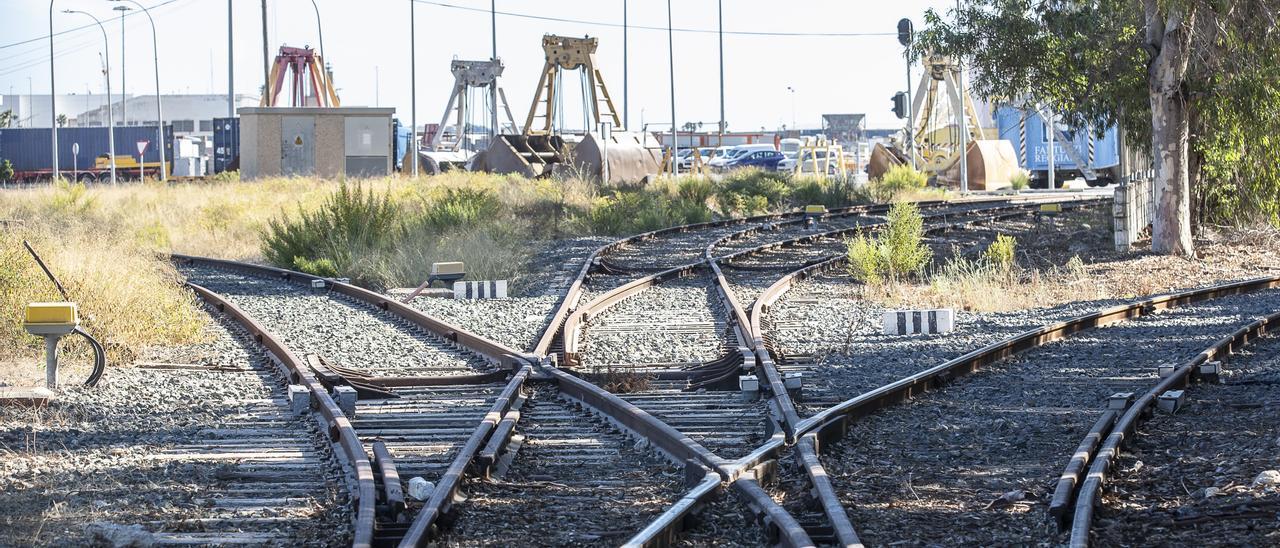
(1132, 210)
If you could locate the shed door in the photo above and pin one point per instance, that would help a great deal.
(297, 145)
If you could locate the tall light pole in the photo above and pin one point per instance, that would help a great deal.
(413, 93)
(671, 61)
(793, 109)
(111, 120)
(493, 89)
(626, 112)
(231, 64)
(124, 112)
(963, 123)
(266, 59)
(720, 17)
(155, 60)
(320, 31)
(53, 101)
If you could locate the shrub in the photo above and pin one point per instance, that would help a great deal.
(1000, 253)
(6, 170)
(902, 240)
(1020, 180)
(749, 191)
(351, 223)
(633, 211)
(897, 180)
(897, 251)
(460, 208)
(319, 267)
(695, 189)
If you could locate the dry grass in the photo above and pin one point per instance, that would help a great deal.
(973, 286)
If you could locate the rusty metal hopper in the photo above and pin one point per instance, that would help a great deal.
(528, 155)
(631, 157)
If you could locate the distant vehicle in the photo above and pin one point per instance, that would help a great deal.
(30, 152)
(717, 153)
(686, 159)
(1101, 154)
(763, 159)
(735, 152)
(789, 146)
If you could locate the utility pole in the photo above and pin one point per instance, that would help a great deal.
(231, 64)
(53, 100)
(161, 142)
(413, 93)
(320, 31)
(626, 113)
(111, 121)
(963, 123)
(906, 33)
(124, 111)
(266, 59)
(671, 60)
(720, 16)
(493, 88)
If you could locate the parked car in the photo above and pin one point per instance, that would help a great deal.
(762, 159)
(686, 158)
(735, 152)
(811, 161)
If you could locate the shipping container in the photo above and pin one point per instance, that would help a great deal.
(401, 143)
(226, 144)
(28, 148)
(1030, 137)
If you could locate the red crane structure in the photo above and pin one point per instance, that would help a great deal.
(311, 84)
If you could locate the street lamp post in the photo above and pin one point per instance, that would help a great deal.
(413, 92)
(155, 59)
(53, 100)
(626, 112)
(124, 112)
(320, 31)
(793, 109)
(111, 120)
(720, 17)
(671, 60)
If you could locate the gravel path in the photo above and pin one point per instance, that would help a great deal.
(598, 484)
(1192, 479)
(976, 462)
(344, 332)
(157, 455)
(515, 322)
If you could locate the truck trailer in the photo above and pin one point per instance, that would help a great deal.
(28, 150)
(1026, 129)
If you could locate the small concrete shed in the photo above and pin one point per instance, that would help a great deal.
(324, 142)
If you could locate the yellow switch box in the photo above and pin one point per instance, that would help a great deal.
(815, 209)
(1051, 208)
(53, 313)
(444, 269)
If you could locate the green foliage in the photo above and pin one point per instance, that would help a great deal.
(6, 170)
(634, 211)
(696, 190)
(350, 225)
(1000, 254)
(748, 191)
(71, 197)
(897, 252)
(319, 267)
(1020, 180)
(460, 208)
(897, 180)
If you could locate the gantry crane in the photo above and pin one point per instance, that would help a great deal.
(311, 83)
(562, 54)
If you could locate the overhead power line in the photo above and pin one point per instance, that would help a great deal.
(79, 28)
(663, 29)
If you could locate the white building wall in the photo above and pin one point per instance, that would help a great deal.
(33, 110)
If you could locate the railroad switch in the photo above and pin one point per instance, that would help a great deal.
(1171, 401)
(1210, 372)
(51, 321)
(1120, 401)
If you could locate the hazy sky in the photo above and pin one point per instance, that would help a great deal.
(364, 38)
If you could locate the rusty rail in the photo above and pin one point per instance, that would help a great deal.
(337, 424)
(1126, 426)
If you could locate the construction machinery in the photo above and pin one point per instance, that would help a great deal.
(605, 150)
(450, 147)
(936, 136)
(311, 85)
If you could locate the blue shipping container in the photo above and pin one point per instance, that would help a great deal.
(226, 144)
(401, 142)
(1102, 153)
(28, 148)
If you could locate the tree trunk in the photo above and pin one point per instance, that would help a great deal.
(1169, 37)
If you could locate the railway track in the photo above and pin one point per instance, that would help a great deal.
(452, 404)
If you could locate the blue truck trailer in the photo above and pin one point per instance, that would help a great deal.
(28, 150)
(1026, 129)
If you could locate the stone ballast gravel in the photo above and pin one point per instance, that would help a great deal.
(676, 322)
(101, 459)
(515, 322)
(933, 470)
(340, 330)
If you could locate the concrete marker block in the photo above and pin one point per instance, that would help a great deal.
(1210, 372)
(1120, 401)
(1171, 401)
(1166, 369)
(922, 322)
(750, 387)
(345, 397)
(299, 399)
(494, 289)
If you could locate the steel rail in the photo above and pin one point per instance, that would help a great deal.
(1125, 428)
(339, 427)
